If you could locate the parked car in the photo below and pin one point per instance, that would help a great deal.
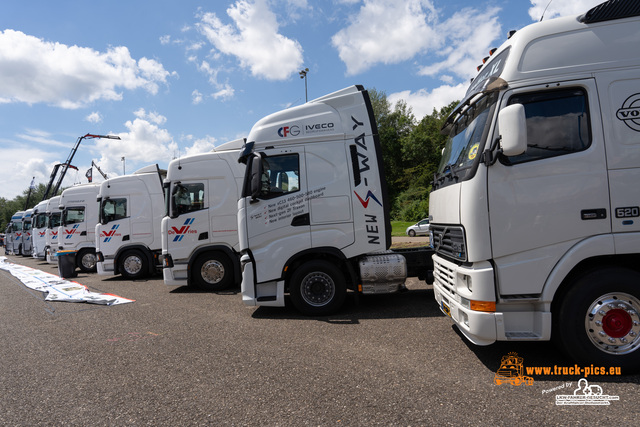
(421, 227)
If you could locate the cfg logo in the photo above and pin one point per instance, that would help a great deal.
(286, 131)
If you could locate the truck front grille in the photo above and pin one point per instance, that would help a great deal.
(445, 277)
(448, 240)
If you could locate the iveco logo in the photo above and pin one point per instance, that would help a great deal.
(286, 131)
(630, 112)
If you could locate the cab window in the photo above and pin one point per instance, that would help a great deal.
(73, 216)
(187, 197)
(280, 175)
(113, 210)
(557, 124)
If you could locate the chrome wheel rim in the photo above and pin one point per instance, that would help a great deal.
(212, 271)
(132, 264)
(612, 323)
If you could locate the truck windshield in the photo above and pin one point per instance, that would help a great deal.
(465, 142)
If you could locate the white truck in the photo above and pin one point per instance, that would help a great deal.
(313, 219)
(128, 232)
(77, 230)
(39, 230)
(26, 233)
(535, 208)
(53, 222)
(14, 237)
(199, 231)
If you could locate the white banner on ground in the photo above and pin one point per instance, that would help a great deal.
(57, 288)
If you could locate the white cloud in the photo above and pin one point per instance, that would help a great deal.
(560, 8)
(465, 44)
(196, 97)
(94, 117)
(423, 102)
(37, 71)
(388, 32)
(145, 143)
(202, 145)
(254, 40)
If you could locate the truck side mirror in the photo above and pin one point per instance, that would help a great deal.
(512, 123)
(256, 177)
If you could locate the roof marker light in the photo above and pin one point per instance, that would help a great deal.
(511, 33)
(479, 67)
(492, 51)
(484, 60)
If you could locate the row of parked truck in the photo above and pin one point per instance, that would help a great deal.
(534, 210)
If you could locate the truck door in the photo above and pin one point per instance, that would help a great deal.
(278, 218)
(329, 194)
(555, 194)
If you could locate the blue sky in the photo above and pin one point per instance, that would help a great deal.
(177, 78)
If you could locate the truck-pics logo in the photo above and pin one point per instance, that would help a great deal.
(630, 112)
(286, 131)
(70, 233)
(511, 371)
(184, 230)
(111, 233)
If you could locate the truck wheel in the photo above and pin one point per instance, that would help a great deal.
(317, 288)
(212, 271)
(598, 321)
(132, 264)
(86, 260)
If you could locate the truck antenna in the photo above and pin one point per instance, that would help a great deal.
(545, 10)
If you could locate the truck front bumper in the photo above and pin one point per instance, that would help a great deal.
(457, 288)
(254, 294)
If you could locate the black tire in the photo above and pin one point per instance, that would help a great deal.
(133, 264)
(317, 288)
(212, 271)
(412, 233)
(598, 320)
(86, 260)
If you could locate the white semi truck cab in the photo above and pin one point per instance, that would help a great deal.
(39, 230)
(199, 231)
(128, 231)
(78, 221)
(535, 208)
(53, 222)
(14, 240)
(313, 219)
(27, 242)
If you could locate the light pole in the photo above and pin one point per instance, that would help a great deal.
(303, 75)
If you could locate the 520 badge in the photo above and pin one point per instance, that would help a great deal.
(628, 212)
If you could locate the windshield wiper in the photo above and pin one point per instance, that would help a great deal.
(447, 172)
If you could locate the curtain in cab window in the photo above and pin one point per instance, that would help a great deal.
(557, 124)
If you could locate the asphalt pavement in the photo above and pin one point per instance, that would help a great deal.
(180, 357)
